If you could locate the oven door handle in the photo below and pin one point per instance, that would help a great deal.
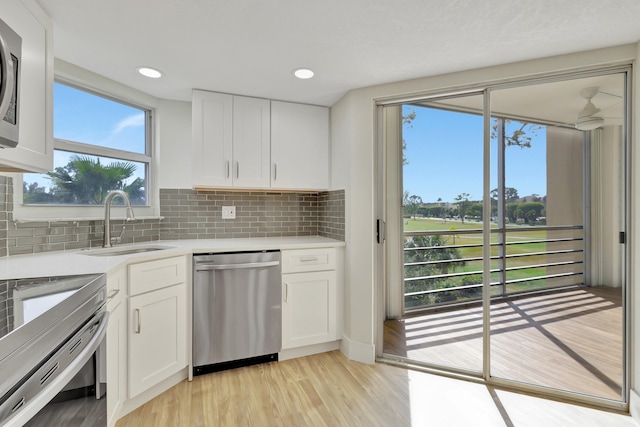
(32, 405)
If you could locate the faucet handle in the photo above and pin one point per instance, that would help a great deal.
(118, 238)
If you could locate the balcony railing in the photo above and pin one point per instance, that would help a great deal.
(445, 267)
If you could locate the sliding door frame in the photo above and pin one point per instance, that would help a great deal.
(382, 256)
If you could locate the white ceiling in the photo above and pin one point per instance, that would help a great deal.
(250, 47)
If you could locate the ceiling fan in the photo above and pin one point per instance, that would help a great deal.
(587, 120)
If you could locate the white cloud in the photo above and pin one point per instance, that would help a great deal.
(131, 121)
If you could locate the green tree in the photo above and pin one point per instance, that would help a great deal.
(406, 120)
(412, 204)
(475, 210)
(435, 211)
(511, 211)
(85, 180)
(429, 249)
(33, 194)
(510, 194)
(529, 211)
(518, 134)
(463, 203)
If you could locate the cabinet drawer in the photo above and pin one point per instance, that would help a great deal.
(152, 275)
(302, 260)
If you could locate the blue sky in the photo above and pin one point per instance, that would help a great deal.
(116, 126)
(444, 150)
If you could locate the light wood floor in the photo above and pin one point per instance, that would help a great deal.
(570, 340)
(330, 390)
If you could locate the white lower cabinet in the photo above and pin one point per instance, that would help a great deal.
(157, 322)
(309, 308)
(157, 337)
(147, 331)
(311, 296)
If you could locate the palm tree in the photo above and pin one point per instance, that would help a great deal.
(84, 180)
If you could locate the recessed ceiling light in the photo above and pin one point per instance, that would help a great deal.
(150, 72)
(303, 73)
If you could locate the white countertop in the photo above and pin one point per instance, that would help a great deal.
(64, 263)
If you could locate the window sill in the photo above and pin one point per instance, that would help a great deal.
(78, 219)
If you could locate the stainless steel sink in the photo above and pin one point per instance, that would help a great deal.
(124, 250)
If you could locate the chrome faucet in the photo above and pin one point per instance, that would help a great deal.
(106, 242)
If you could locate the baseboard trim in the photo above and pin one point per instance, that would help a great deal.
(634, 405)
(308, 350)
(357, 351)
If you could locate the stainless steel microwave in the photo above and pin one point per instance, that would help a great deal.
(10, 61)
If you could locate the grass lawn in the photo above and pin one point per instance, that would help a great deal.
(514, 234)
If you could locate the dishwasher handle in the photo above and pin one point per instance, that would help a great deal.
(211, 267)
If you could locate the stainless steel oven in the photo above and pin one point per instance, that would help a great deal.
(10, 61)
(52, 352)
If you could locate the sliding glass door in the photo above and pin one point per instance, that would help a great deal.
(511, 223)
(557, 314)
(442, 234)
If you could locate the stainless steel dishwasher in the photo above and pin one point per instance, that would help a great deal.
(237, 304)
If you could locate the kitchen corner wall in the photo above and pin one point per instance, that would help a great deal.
(187, 214)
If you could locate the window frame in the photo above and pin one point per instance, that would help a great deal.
(94, 84)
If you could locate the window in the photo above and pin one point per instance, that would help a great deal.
(100, 144)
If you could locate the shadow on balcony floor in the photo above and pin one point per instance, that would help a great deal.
(570, 340)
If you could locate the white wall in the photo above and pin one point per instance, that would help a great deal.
(353, 147)
(174, 144)
(353, 171)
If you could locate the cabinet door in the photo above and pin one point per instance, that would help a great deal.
(157, 337)
(212, 135)
(309, 313)
(251, 142)
(299, 146)
(116, 361)
(35, 141)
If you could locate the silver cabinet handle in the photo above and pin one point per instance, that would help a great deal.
(113, 293)
(308, 258)
(209, 267)
(138, 323)
(286, 292)
(275, 171)
(227, 168)
(237, 170)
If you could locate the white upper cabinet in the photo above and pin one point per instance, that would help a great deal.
(35, 146)
(212, 139)
(252, 143)
(251, 136)
(299, 146)
(231, 137)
